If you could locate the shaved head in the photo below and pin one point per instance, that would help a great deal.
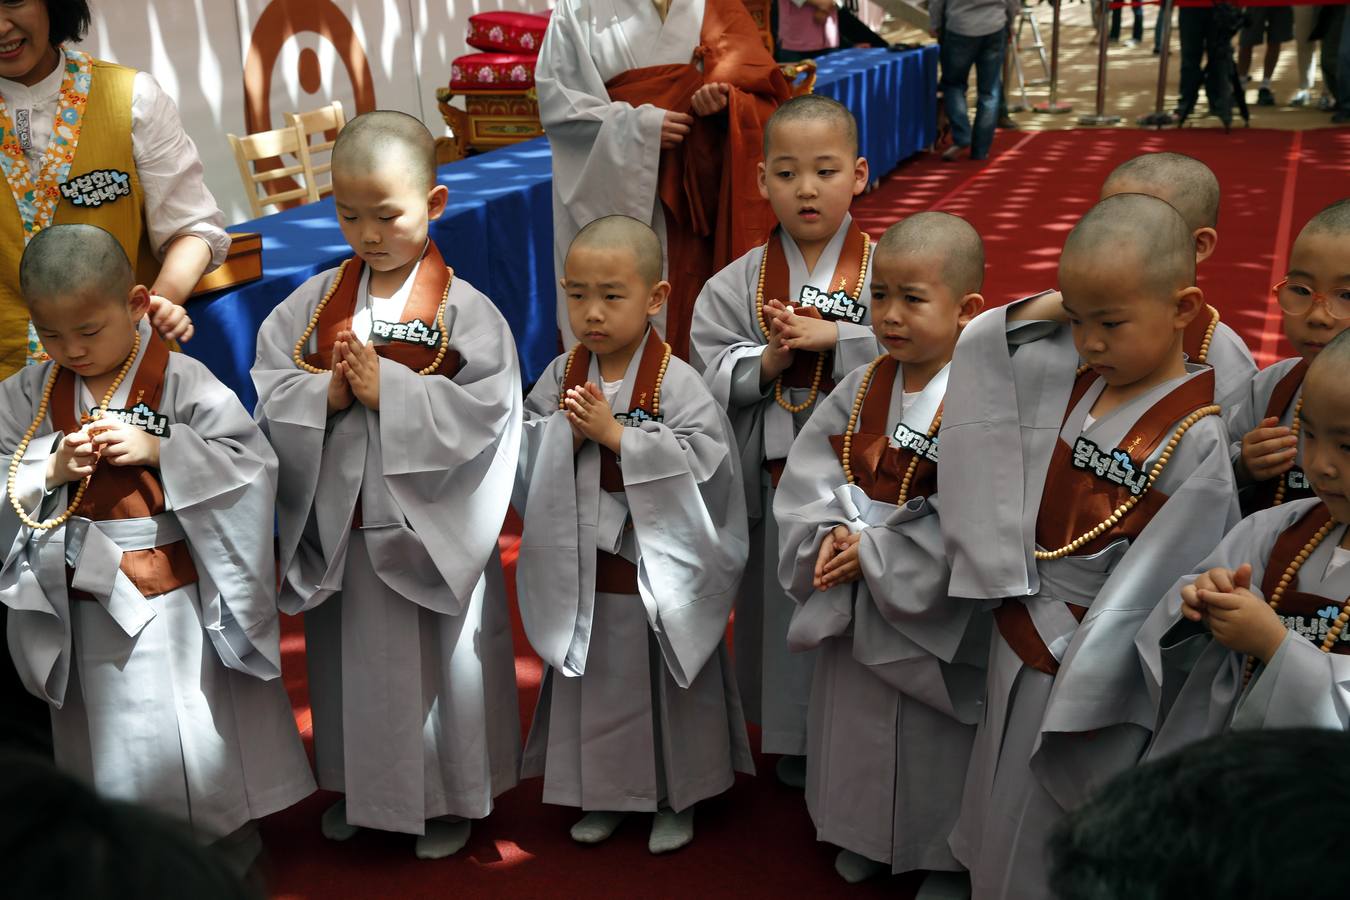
(813, 108)
(1334, 359)
(951, 238)
(385, 139)
(74, 260)
(612, 233)
(1334, 220)
(1139, 231)
(1183, 181)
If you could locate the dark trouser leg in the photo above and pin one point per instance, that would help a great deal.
(957, 56)
(1193, 23)
(989, 85)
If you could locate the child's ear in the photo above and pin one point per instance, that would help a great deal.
(437, 199)
(762, 176)
(860, 176)
(971, 304)
(660, 294)
(1189, 303)
(1206, 239)
(138, 301)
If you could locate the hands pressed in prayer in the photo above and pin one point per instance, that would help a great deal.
(837, 562)
(590, 413)
(674, 128)
(123, 444)
(801, 332)
(169, 319)
(361, 368)
(1238, 619)
(711, 98)
(340, 394)
(1268, 450)
(75, 458)
(777, 355)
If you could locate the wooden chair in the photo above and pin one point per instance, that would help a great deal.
(325, 121)
(266, 145)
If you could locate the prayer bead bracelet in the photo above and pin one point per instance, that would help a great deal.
(19, 451)
(1284, 477)
(298, 356)
(656, 389)
(1334, 632)
(847, 453)
(818, 375)
(1121, 511)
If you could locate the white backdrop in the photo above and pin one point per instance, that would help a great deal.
(239, 66)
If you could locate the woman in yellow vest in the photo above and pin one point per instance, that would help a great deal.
(82, 140)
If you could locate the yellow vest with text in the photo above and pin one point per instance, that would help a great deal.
(104, 146)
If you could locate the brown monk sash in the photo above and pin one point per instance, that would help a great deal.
(1295, 482)
(878, 468)
(1193, 338)
(613, 573)
(424, 301)
(1299, 603)
(1076, 500)
(129, 492)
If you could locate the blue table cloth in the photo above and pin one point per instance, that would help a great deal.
(498, 230)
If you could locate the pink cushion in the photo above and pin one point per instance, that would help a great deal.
(507, 32)
(486, 71)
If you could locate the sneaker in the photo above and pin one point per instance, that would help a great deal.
(1264, 97)
(1131, 43)
(1302, 98)
(1325, 103)
(954, 152)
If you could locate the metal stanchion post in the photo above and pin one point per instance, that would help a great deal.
(1053, 105)
(1103, 35)
(1158, 117)
(1012, 65)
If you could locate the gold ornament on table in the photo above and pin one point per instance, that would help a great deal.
(94, 416)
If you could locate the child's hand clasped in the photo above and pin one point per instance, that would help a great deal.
(1268, 450)
(590, 414)
(75, 458)
(800, 332)
(837, 562)
(1238, 619)
(121, 444)
(360, 366)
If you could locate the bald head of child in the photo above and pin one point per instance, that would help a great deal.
(927, 273)
(1127, 275)
(1325, 421)
(612, 281)
(385, 190)
(82, 297)
(1314, 296)
(811, 170)
(1186, 183)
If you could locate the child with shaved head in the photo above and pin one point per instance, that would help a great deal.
(898, 686)
(1257, 637)
(1314, 298)
(1084, 468)
(390, 389)
(632, 553)
(1193, 191)
(137, 566)
(772, 334)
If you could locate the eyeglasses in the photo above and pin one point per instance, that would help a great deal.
(1298, 299)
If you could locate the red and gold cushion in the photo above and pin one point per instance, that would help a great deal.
(507, 32)
(492, 71)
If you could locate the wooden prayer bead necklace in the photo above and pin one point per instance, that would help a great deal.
(19, 451)
(847, 453)
(1203, 355)
(819, 373)
(656, 390)
(1123, 509)
(1284, 476)
(1334, 632)
(298, 355)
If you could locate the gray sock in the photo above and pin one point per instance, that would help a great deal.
(854, 867)
(334, 823)
(444, 837)
(671, 830)
(595, 827)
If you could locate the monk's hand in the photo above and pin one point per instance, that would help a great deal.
(1268, 450)
(122, 444)
(340, 394)
(807, 332)
(710, 99)
(169, 319)
(361, 367)
(844, 567)
(75, 458)
(777, 355)
(590, 413)
(829, 548)
(1242, 621)
(674, 129)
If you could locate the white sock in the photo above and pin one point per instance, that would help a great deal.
(444, 837)
(855, 868)
(1265, 84)
(334, 823)
(671, 830)
(595, 827)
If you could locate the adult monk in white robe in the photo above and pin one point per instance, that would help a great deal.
(655, 110)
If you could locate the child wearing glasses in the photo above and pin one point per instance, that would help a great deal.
(1314, 298)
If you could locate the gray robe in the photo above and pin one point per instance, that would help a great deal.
(1234, 367)
(1250, 408)
(172, 701)
(639, 704)
(1045, 742)
(412, 676)
(899, 681)
(726, 345)
(1196, 682)
(606, 154)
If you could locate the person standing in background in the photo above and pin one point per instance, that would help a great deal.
(972, 34)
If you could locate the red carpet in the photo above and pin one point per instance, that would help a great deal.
(756, 840)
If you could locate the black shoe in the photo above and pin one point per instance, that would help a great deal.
(1340, 118)
(1264, 97)
(1007, 124)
